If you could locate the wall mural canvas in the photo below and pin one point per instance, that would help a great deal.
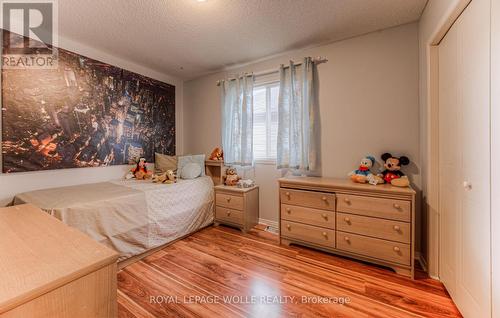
(84, 114)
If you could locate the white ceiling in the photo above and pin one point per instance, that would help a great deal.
(187, 38)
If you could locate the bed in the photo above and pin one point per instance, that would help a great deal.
(130, 216)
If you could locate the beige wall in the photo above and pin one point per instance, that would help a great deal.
(495, 154)
(368, 99)
(436, 18)
(10, 184)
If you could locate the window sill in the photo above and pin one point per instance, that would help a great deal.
(269, 162)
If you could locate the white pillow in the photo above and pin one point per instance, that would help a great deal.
(191, 171)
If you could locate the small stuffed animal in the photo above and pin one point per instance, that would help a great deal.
(231, 178)
(168, 177)
(140, 171)
(217, 154)
(363, 173)
(392, 173)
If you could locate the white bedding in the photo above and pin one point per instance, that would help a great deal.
(130, 216)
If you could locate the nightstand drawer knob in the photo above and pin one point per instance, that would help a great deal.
(346, 200)
(324, 234)
(325, 216)
(228, 199)
(397, 228)
(323, 198)
(288, 210)
(346, 238)
(396, 249)
(287, 194)
(347, 220)
(228, 213)
(288, 226)
(397, 206)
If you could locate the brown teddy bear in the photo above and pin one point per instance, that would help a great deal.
(231, 178)
(217, 154)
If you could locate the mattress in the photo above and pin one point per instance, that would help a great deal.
(130, 216)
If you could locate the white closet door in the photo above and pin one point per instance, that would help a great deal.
(464, 120)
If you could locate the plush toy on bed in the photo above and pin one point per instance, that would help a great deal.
(231, 178)
(217, 154)
(140, 171)
(168, 177)
(392, 173)
(363, 173)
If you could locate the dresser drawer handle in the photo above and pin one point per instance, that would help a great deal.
(396, 206)
(325, 235)
(397, 228)
(324, 198)
(228, 199)
(288, 227)
(287, 194)
(288, 210)
(347, 220)
(325, 216)
(396, 249)
(346, 238)
(228, 213)
(346, 200)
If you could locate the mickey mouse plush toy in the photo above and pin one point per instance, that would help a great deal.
(392, 173)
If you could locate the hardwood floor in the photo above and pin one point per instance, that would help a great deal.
(215, 273)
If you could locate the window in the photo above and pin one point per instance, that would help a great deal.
(265, 121)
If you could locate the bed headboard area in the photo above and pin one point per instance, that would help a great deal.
(85, 113)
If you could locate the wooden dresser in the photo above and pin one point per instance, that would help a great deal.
(49, 269)
(370, 223)
(238, 207)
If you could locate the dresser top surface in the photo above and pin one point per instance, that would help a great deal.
(40, 253)
(338, 183)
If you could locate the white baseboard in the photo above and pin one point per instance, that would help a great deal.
(272, 224)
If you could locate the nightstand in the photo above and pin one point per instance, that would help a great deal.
(238, 207)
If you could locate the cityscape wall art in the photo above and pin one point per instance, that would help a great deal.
(84, 114)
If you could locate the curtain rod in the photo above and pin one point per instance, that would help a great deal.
(316, 60)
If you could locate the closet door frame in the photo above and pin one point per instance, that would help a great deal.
(432, 142)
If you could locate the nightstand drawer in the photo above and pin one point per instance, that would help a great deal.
(376, 248)
(308, 216)
(376, 207)
(311, 199)
(228, 215)
(308, 233)
(229, 201)
(378, 228)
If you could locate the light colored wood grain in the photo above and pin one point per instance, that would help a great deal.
(229, 215)
(375, 207)
(317, 200)
(41, 254)
(372, 247)
(374, 227)
(93, 295)
(237, 206)
(231, 201)
(308, 233)
(309, 216)
(215, 170)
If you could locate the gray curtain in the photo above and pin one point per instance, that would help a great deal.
(237, 120)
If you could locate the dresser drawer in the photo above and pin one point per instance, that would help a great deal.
(376, 248)
(376, 207)
(311, 199)
(232, 216)
(229, 201)
(308, 216)
(374, 227)
(308, 233)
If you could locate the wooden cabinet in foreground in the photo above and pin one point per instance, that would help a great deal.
(370, 223)
(49, 269)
